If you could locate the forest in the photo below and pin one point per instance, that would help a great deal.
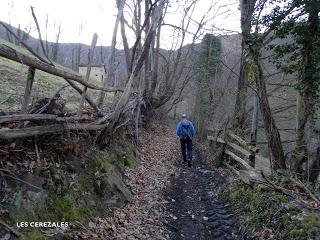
(88, 133)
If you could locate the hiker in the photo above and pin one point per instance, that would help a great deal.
(185, 132)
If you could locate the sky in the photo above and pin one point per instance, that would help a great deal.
(81, 19)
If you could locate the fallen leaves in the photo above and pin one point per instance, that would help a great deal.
(144, 215)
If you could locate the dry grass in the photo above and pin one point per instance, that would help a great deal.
(13, 80)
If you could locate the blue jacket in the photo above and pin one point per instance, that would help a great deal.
(179, 129)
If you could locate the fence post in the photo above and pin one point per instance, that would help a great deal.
(252, 156)
(28, 89)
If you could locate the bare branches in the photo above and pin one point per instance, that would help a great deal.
(110, 78)
(134, 48)
(125, 43)
(39, 32)
(88, 70)
(126, 94)
(87, 98)
(22, 43)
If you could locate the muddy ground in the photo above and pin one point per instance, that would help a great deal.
(196, 212)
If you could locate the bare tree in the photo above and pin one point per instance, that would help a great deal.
(78, 50)
(174, 69)
(125, 43)
(40, 37)
(247, 8)
(88, 70)
(307, 144)
(47, 23)
(157, 12)
(55, 45)
(110, 76)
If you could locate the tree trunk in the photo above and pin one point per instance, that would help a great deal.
(73, 62)
(239, 116)
(19, 35)
(40, 36)
(110, 78)
(125, 44)
(306, 145)
(270, 127)
(6, 133)
(47, 43)
(155, 65)
(313, 165)
(78, 59)
(147, 66)
(126, 94)
(300, 152)
(55, 46)
(88, 70)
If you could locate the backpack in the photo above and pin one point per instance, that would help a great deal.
(185, 129)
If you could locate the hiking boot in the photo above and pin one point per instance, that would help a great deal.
(189, 164)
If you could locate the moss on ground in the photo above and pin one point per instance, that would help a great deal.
(100, 187)
(73, 190)
(34, 235)
(102, 163)
(65, 208)
(267, 209)
(308, 228)
(126, 159)
(69, 206)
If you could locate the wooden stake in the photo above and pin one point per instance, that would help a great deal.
(90, 59)
(28, 89)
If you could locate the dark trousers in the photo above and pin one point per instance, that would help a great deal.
(186, 144)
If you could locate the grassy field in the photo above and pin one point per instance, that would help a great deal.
(13, 77)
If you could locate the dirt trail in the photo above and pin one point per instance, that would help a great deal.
(196, 211)
(170, 201)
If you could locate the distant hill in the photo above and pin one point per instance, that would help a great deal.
(67, 53)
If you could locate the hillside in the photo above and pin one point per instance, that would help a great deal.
(13, 81)
(67, 51)
(226, 82)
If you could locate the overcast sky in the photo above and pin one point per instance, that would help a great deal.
(99, 16)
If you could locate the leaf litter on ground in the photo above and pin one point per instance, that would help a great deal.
(144, 216)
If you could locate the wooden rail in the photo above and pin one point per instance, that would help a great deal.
(236, 148)
(6, 133)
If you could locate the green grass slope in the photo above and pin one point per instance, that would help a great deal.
(13, 77)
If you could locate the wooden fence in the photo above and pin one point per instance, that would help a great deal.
(230, 146)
